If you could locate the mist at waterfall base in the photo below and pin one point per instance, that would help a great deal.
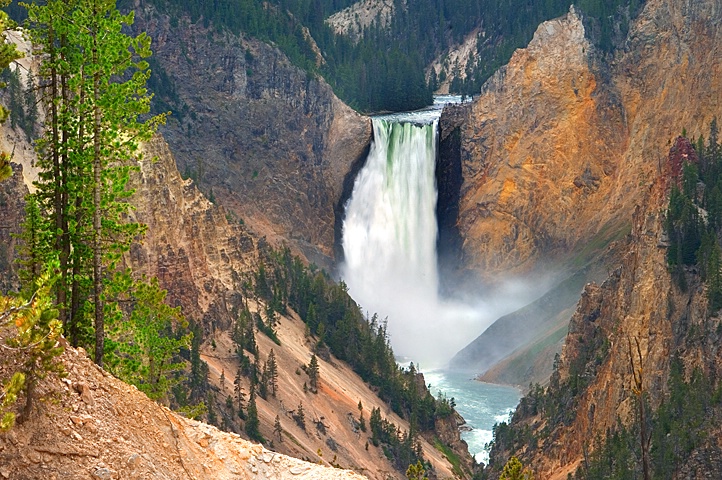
(389, 242)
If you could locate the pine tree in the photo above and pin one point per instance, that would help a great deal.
(148, 343)
(299, 416)
(263, 382)
(250, 337)
(416, 471)
(313, 373)
(277, 429)
(199, 368)
(238, 392)
(252, 422)
(32, 252)
(272, 367)
(514, 470)
(94, 80)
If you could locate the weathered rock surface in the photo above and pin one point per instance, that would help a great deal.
(190, 245)
(563, 143)
(668, 60)
(354, 20)
(12, 215)
(638, 304)
(102, 428)
(270, 142)
(542, 123)
(123, 434)
(203, 260)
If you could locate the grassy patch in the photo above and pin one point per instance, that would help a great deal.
(452, 457)
(611, 232)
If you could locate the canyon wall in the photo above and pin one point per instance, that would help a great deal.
(664, 80)
(265, 139)
(198, 255)
(563, 141)
(638, 320)
(540, 150)
(207, 263)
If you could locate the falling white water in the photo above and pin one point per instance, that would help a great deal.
(390, 228)
(389, 242)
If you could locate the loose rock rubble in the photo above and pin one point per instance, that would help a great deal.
(90, 425)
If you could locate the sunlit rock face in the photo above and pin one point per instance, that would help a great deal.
(563, 142)
(540, 147)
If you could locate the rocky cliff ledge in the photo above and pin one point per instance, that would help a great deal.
(265, 139)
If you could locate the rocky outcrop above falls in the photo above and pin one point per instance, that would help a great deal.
(563, 142)
(539, 149)
(265, 139)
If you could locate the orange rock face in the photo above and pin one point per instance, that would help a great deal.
(563, 142)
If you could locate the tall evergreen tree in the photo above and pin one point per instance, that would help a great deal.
(313, 373)
(278, 429)
(94, 77)
(272, 367)
(252, 422)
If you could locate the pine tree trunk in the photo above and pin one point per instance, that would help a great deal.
(65, 203)
(75, 290)
(644, 439)
(97, 253)
(58, 179)
(31, 382)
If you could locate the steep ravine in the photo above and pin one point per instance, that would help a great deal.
(203, 259)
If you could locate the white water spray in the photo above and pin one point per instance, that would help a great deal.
(390, 227)
(389, 242)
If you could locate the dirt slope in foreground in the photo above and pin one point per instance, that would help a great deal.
(90, 425)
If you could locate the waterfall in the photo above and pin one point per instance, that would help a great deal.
(390, 227)
(389, 243)
(389, 239)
